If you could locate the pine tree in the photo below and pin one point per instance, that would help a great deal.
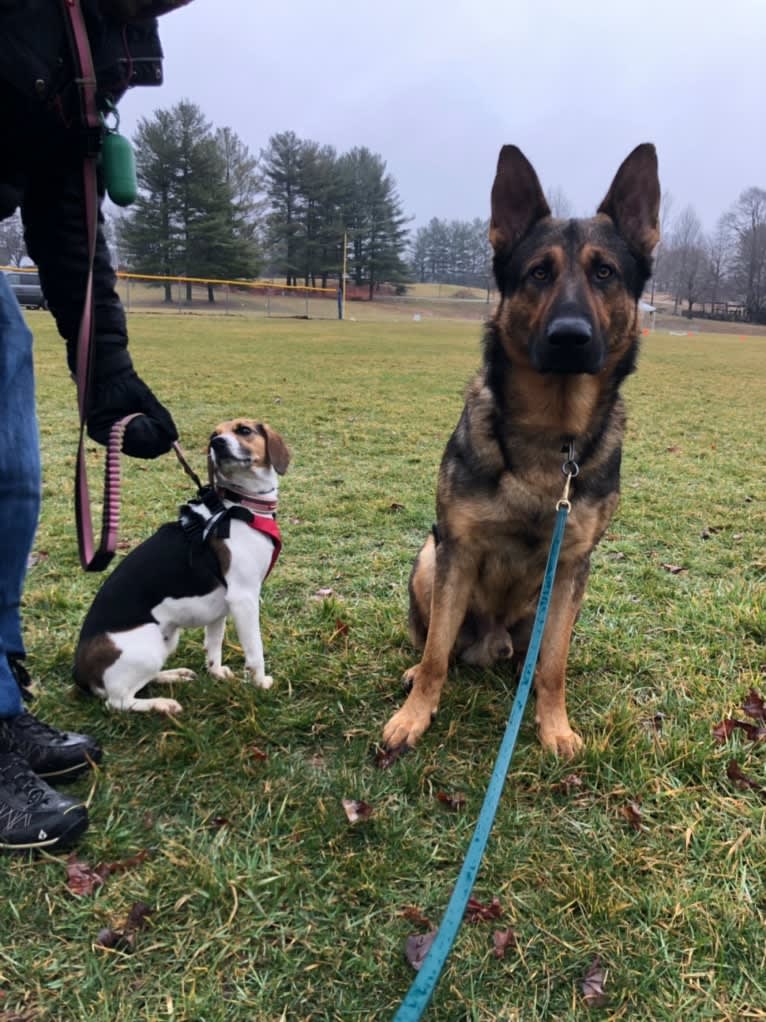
(190, 218)
(374, 219)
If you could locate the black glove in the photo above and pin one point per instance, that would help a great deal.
(148, 436)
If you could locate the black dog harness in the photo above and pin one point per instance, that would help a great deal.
(199, 527)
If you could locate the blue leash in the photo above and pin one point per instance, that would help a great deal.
(424, 984)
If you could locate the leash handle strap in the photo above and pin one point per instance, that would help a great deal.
(424, 984)
(92, 559)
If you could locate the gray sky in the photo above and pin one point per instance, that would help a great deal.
(437, 88)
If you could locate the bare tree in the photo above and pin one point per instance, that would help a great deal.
(688, 254)
(559, 203)
(666, 209)
(747, 221)
(719, 247)
(12, 247)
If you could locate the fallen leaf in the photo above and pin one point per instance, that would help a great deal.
(137, 916)
(115, 940)
(674, 569)
(105, 869)
(356, 811)
(341, 629)
(740, 779)
(417, 946)
(476, 910)
(673, 449)
(81, 879)
(723, 731)
(593, 985)
(453, 802)
(754, 706)
(632, 814)
(710, 530)
(502, 940)
(568, 784)
(413, 915)
(125, 939)
(384, 758)
(255, 753)
(395, 506)
(655, 723)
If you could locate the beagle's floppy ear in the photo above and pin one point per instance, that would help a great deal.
(633, 200)
(517, 199)
(276, 449)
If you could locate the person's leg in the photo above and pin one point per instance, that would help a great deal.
(48, 752)
(19, 484)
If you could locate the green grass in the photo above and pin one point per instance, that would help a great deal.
(288, 912)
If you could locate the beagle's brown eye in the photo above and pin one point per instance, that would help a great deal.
(243, 430)
(604, 272)
(540, 273)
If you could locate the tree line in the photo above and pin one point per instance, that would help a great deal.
(721, 274)
(208, 207)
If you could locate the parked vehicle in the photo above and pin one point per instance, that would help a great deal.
(26, 286)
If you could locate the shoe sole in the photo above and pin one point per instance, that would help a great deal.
(65, 839)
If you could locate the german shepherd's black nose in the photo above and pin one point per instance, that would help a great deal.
(569, 330)
(569, 345)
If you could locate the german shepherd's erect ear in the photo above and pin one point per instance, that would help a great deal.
(633, 201)
(517, 199)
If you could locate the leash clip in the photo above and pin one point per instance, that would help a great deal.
(571, 470)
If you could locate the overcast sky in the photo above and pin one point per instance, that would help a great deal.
(437, 88)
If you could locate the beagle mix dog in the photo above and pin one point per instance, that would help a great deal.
(191, 573)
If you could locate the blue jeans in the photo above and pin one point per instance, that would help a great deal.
(19, 483)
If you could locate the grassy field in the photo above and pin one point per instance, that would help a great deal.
(267, 904)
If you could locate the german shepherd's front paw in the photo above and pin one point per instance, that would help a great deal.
(565, 743)
(409, 723)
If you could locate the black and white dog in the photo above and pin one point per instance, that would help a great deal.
(191, 573)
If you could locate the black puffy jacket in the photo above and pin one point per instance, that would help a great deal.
(41, 157)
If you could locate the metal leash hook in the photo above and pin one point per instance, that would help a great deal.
(571, 470)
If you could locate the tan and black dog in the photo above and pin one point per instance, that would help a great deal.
(560, 344)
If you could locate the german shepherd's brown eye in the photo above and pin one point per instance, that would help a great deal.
(604, 272)
(243, 430)
(540, 273)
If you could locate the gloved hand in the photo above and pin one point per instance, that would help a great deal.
(148, 436)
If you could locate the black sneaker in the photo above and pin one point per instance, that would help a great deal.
(48, 752)
(33, 815)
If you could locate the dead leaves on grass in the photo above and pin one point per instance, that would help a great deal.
(82, 879)
(417, 945)
(454, 802)
(753, 706)
(357, 811)
(125, 939)
(736, 774)
(593, 981)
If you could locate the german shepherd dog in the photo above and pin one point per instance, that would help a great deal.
(561, 341)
